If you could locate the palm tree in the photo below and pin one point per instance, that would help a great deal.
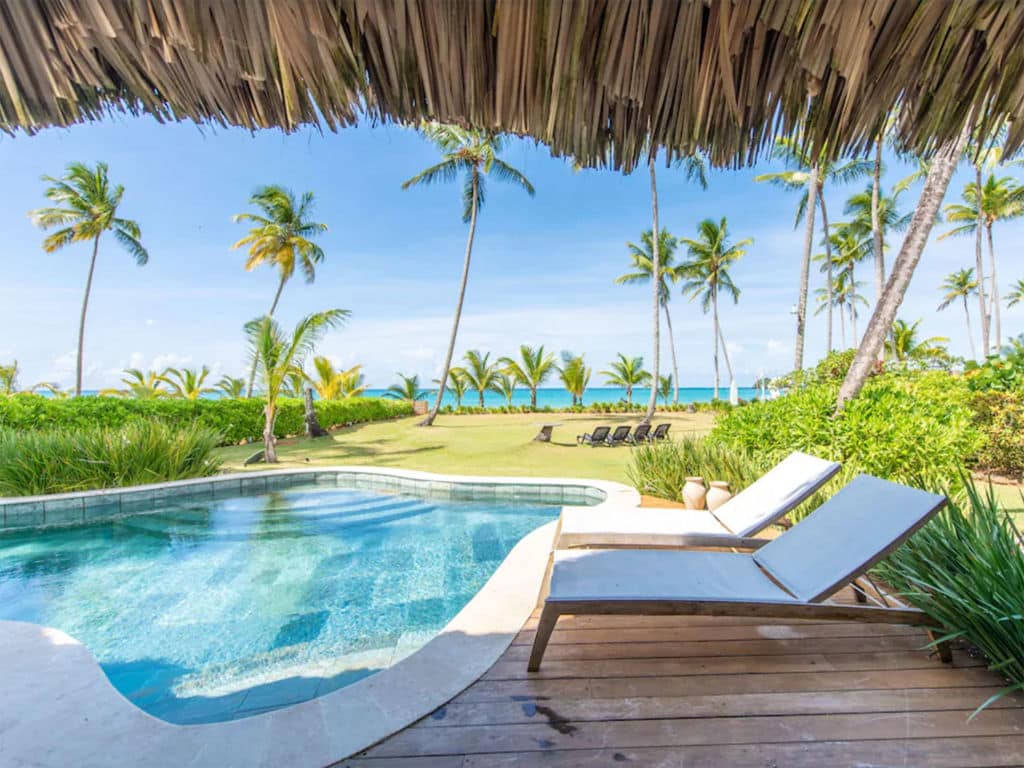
(280, 358)
(641, 261)
(960, 285)
(809, 173)
(473, 154)
(457, 385)
(479, 372)
(140, 385)
(627, 372)
(84, 207)
(333, 384)
(943, 164)
(281, 238)
(9, 378)
(575, 376)
(230, 387)
(664, 388)
(505, 385)
(845, 298)
(532, 369)
(706, 274)
(1016, 294)
(187, 383)
(1000, 199)
(907, 348)
(408, 389)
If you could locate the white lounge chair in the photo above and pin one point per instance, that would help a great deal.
(791, 577)
(765, 501)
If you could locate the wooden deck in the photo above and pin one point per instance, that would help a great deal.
(700, 692)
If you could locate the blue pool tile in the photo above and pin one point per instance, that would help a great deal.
(23, 515)
(63, 511)
(301, 629)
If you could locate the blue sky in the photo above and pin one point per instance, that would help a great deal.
(542, 268)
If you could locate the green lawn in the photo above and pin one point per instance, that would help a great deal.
(490, 444)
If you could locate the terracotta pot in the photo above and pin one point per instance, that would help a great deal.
(718, 494)
(694, 493)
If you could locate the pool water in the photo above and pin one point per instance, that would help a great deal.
(222, 609)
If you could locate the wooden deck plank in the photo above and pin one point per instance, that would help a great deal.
(560, 735)
(576, 710)
(697, 692)
(964, 752)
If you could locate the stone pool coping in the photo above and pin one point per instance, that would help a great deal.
(62, 509)
(60, 709)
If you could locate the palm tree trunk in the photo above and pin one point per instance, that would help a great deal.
(714, 314)
(81, 321)
(970, 333)
(828, 257)
(652, 402)
(725, 354)
(256, 358)
(672, 349)
(533, 398)
(805, 269)
(994, 292)
(903, 268)
(842, 327)
(980, 265)
(853, 305)
(458, 306)
(481, 393)
(269, 441)
(876, 223)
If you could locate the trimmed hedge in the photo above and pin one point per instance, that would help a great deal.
(235, 420)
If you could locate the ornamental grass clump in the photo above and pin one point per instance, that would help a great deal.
(965, 569)
(140, 452)
(660, 469)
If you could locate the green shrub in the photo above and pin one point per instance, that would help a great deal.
(660, 469)
(915, 428)
(1001, 418)
(60, 461)
(235, 420)
(966, 570)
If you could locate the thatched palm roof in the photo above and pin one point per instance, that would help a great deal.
(591, 78)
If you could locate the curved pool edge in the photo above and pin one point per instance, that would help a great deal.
(54, 685)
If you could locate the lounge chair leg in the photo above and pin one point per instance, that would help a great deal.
(944, 648)
(546, 625)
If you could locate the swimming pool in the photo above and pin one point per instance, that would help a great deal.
(219, 609)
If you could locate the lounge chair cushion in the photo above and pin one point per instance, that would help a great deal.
(651, 574)
(846, 535)
(635, 527)
(775, 493)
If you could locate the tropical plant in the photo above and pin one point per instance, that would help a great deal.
(705, 274)
(960, 285)
(84, 207)
(9, 378)
(473, 154)
(664, 388)
(627, 372)
(1016, 294)
(875, 215)
(808, 173)
(408, 389)
(187, 382)
(479, 372)
(64, 461)
(1000, 199)
(139, 385)
(965, 569)
(641, 262)
(844, 298)
(230, 386)
(505, 385)
(281, 237)
(457, 385)
(532, 369)
(332, 384)
(575, 376)
(906, 347)
(280, 357)
(53, 389)
(850, 245)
